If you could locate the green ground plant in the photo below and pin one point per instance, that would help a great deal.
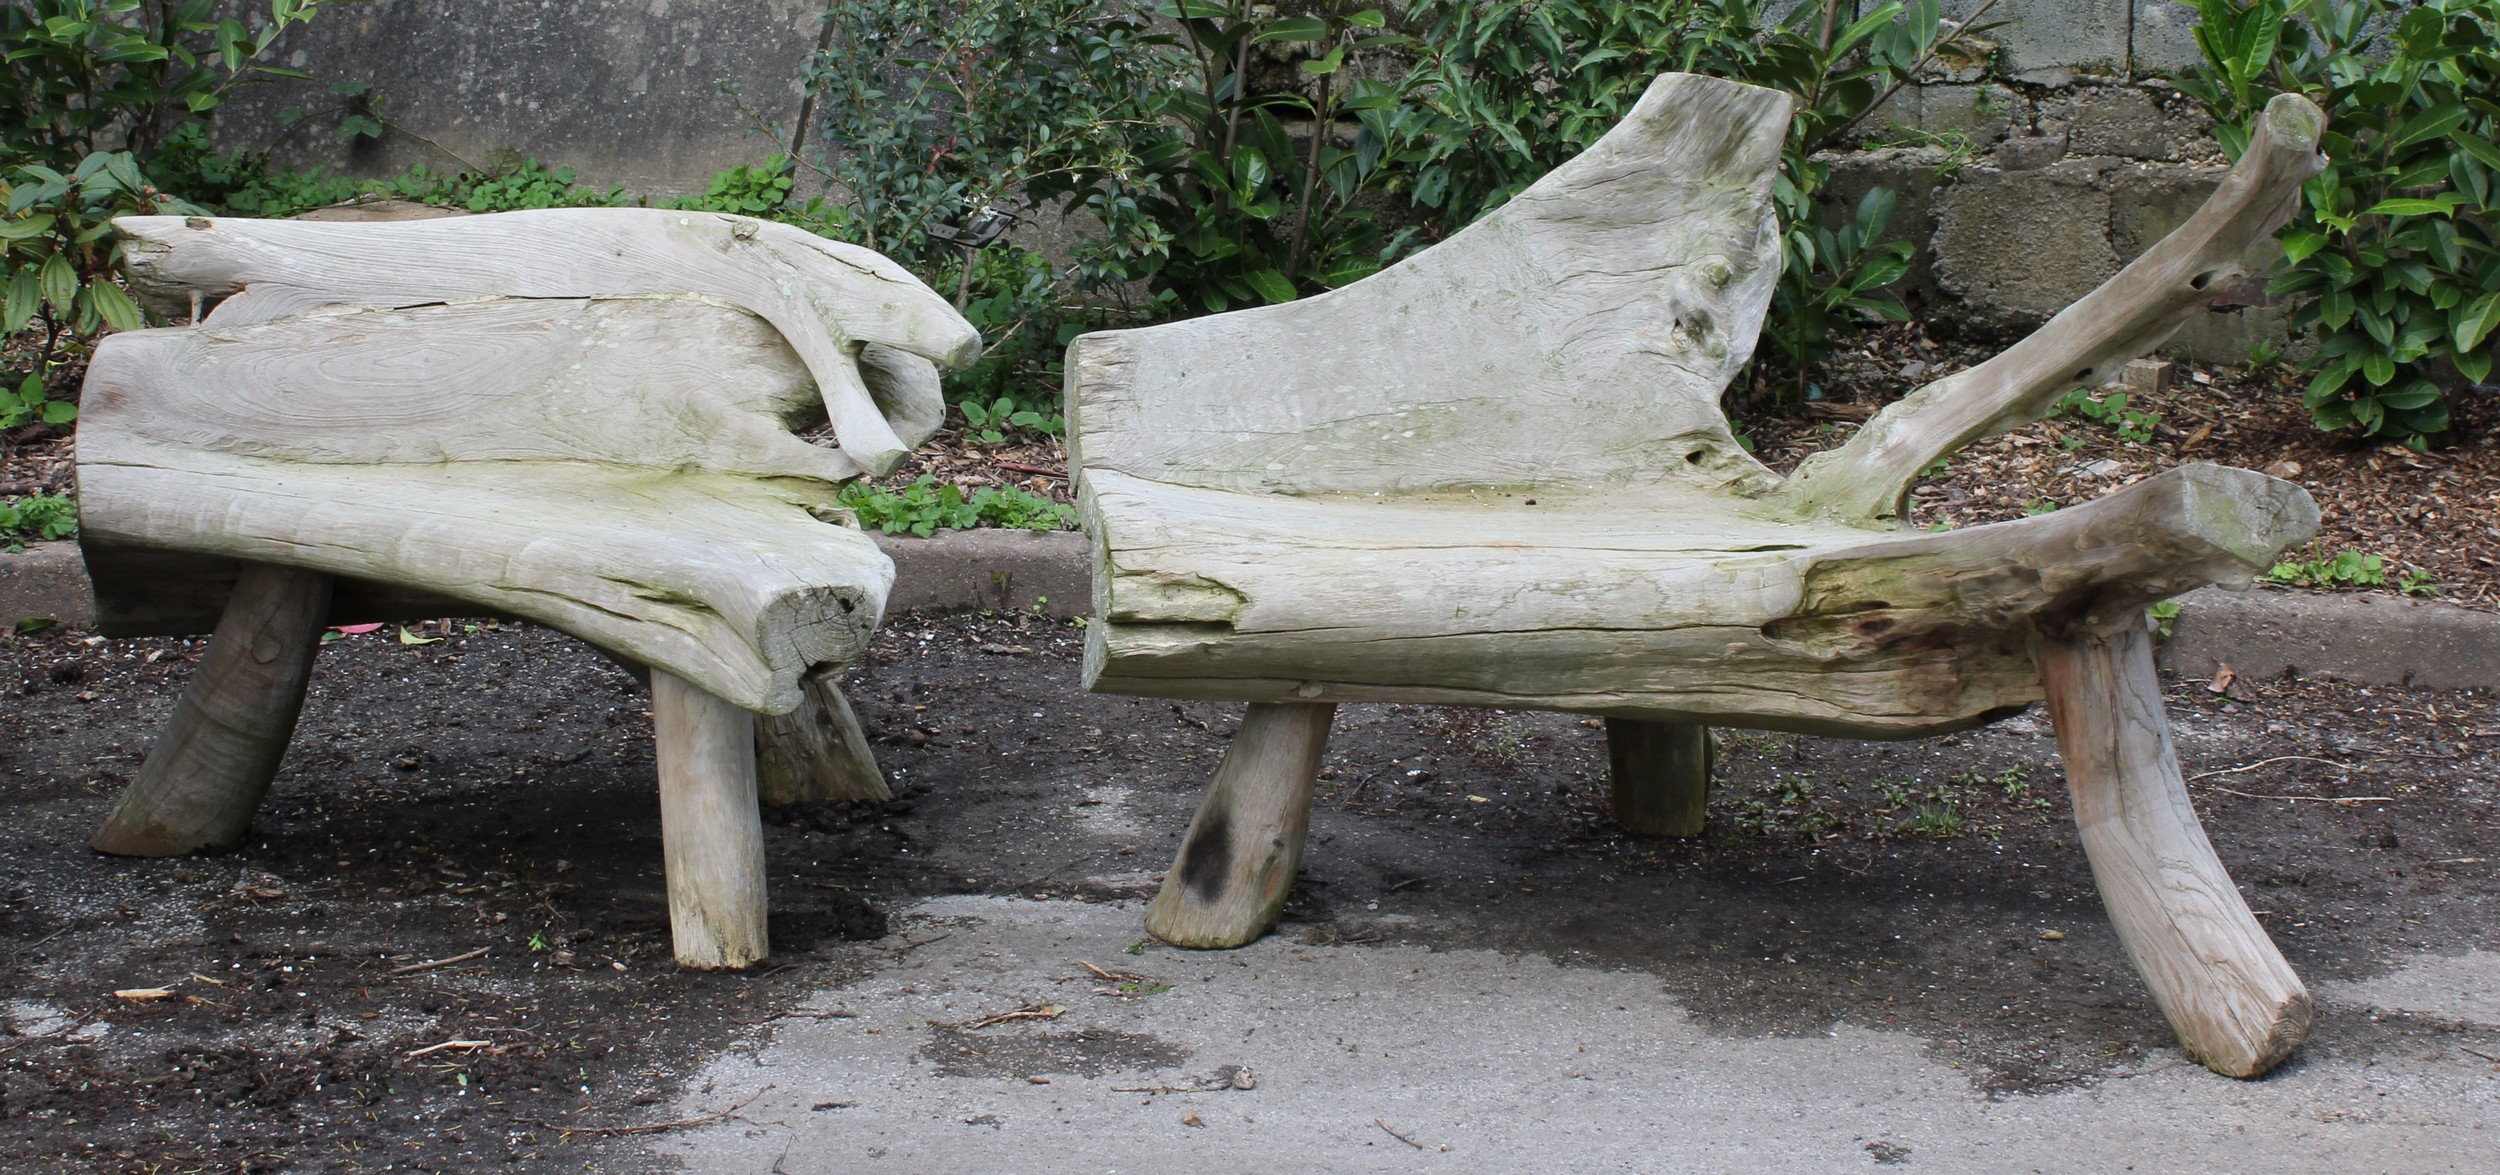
(925, 507)
(2394, 252)
(2109, 409)
(40, 518)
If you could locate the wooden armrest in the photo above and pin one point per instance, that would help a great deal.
(2088, 343)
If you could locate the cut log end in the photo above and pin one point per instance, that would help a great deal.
(1238, 863)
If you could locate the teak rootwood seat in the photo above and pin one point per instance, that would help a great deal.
(1497, 474)
(577, 417)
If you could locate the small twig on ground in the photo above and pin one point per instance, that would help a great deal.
(2262, 762)
(2486, 1056)
(1109, 976)
(1019, 467)
(657, 1127)
(431, 964)
(463, 1045)
(835, 1014)
(1400, 1137)
(2314, 799)
(1027, 1012)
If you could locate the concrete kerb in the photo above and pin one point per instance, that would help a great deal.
(2260, 633)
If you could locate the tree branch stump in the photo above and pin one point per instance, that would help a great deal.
(817, 753)
(1661, 774)
(210, 768)
(1229, 884)
(710, 832)
(2226, 990)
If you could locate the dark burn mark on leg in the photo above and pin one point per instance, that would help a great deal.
(1208, 857)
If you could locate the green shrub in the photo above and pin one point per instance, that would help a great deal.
(2394, 250)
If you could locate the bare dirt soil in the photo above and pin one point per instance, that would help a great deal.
(493, 791)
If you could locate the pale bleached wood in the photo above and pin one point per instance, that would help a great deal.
(1229, 883)
(1721, 619)
(2226, 990)
(1661, 775)
(1579, 334)
(710, 830)
(618, 469)
(825, 297)
(216, 756)
(2088, 343)
(817, 753)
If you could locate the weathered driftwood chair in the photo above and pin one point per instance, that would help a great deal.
(1497, 474)
(576, 417)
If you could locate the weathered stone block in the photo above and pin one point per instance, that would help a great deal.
(2016, 248)
(2165, 37)
(2047, 41)
(1982, 114)
(2148, 121)
(625, 93)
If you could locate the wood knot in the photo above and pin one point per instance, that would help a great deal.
(265, 648)
(196, 222)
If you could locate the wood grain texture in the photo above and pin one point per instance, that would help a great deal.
(1579, 335)
(215, 758)
(621, 469)
(710, 830)
(1720, 619)
(2088, 343)
(817, 754)
(2226, 990)
(1660, 773)
(827, 298)
(1230, 881)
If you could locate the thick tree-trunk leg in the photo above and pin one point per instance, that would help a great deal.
(1229, 883)
(214, 760)
(2229, 995)
(1661, 774)
(710, 832)
(816, 753)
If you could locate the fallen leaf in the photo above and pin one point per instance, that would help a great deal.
(409, 638)
(1191, 1118)
(355, 629)
(2223, 677)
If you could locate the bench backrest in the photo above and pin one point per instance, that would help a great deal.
(1580, 334)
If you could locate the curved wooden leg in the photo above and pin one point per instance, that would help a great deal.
(2229, 995)
(817, 753)
(1229, 883)
(214, 760)
(1661, 773)
(710, 832)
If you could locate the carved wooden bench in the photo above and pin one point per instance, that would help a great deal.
(1497, 474)
(577, 417)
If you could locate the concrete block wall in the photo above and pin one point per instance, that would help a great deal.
(2066, 158)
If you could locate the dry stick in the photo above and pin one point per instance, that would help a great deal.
(1022, 468)
(2319, 799)
(463, 1045)
(431, 964)
(1027, 1012)
(2277, 759)
(657, 1127)
(1400, 1137)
